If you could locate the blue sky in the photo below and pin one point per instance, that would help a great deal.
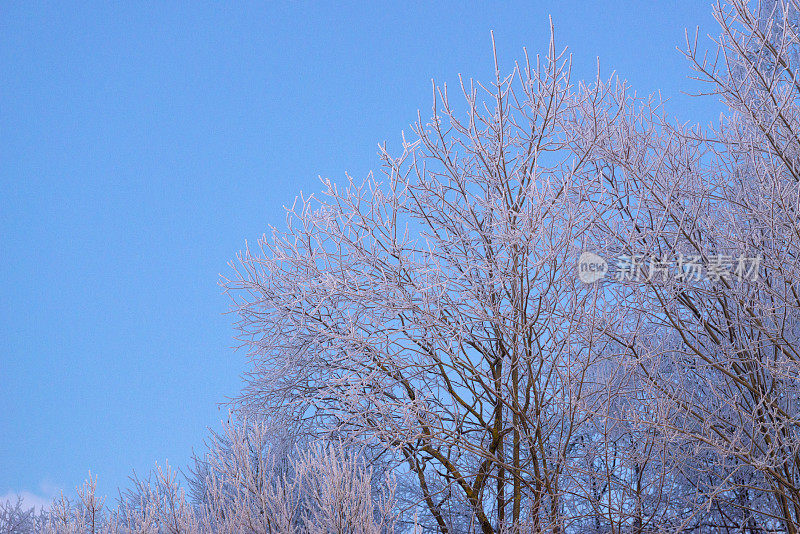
(141, 144)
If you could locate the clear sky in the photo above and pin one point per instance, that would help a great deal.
(141, 144)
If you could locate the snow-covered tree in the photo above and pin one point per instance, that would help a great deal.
(718, 353)
(433, 312)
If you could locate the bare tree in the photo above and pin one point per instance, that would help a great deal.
(434, 314)
(156, 504)
(15, 518)
(322, 488)
(85, 515)
(718, 353)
